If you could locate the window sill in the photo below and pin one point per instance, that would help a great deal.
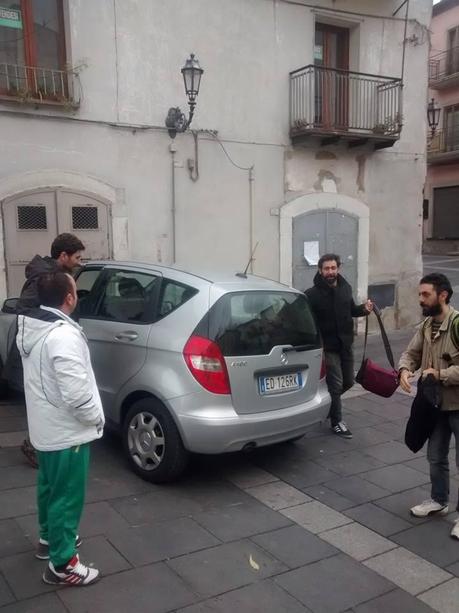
(66, 105)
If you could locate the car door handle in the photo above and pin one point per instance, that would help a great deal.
(127, 336)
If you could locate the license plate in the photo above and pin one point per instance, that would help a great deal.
(279, 383)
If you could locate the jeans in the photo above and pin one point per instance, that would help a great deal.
(340, 378)
(437, 454)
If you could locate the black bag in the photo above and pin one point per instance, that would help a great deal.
(424, 414)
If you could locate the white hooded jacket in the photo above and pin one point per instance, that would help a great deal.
(63, 403)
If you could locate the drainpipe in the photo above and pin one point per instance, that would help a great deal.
(173, 151)
(251, 224)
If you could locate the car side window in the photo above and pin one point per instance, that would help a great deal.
(173, 295)
(129, 296)
(85, 282)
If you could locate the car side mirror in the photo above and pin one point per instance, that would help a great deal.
(10, 305)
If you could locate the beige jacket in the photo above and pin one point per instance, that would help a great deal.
(441, 354)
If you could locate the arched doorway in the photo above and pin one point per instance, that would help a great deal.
(323, 231)
(31, 220)
(309, 218)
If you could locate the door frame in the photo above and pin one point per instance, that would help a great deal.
(309, 203)
(334, 114)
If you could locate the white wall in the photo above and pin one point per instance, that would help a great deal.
(133, 51)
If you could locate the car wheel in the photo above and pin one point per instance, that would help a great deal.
(152, 442)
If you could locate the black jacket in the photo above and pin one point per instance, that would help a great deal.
(334, 308)
(424, 414)
(29, 295)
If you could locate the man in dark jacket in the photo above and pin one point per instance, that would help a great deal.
(66, 254)
(334, 308)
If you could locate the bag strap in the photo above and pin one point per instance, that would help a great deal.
(387, 347)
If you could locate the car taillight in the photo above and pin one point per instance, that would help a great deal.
(207, 364)
(323, 368)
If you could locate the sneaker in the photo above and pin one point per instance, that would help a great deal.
(429, 507)
(455, 530)
(74, 574)
(342, 430)
(42, 552)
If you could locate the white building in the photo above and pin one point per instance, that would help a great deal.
(89, 153)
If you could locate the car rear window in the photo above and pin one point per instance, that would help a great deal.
(252, 323)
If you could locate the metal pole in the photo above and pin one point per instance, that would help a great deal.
(251, 189)
(173, 150)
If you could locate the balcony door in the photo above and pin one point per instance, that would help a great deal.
(331, 55)
(451, 127)
(452, 62)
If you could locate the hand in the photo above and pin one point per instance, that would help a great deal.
(405, 380)
(431, 371)
(368, 306)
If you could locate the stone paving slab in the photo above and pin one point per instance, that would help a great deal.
(265, 596)
(377, 519)
(278, 495)
(398, 600)
(444, 598)
(48, 603)
(316, 517)
(357, 541)
(161, 541)
(431, 541)
(407, 570)
(220, 569)
(396, 478)
(357, 489)
(294, 546)
(240, 520)
(333, 585)
(154, 587)
(324, 494)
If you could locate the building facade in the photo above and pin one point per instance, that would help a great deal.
(441, 205)
(309, 136)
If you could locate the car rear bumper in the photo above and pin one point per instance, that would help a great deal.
(219, 429)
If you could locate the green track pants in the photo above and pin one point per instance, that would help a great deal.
(61, 487)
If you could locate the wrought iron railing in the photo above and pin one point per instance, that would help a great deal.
(444, 141)
(444, 65)
(34, 84)
(344, 101)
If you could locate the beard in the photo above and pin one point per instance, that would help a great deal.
(431, 311)
(331, 279)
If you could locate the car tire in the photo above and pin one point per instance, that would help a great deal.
(147, 423)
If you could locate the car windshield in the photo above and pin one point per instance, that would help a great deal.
(252, 323)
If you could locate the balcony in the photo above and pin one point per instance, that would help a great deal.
(443, 148)
(444, 69)
(329, 106)
(39, 86)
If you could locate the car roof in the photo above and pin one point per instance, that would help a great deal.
(225, 280)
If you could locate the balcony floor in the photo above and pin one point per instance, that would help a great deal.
(323, 137)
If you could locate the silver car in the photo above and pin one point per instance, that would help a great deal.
(199, 363)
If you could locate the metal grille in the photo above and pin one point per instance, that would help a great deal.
(32, 217)
(85, 218)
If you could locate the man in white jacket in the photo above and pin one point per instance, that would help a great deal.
(65, 414)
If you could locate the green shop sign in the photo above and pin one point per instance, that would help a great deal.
(10, 18)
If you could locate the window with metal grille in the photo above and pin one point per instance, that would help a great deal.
(32, 217)
(85, 218)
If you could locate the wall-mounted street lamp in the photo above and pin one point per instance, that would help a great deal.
(176, 120)
(433, 116)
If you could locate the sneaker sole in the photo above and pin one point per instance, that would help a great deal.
(443, 511)
(66, 584)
